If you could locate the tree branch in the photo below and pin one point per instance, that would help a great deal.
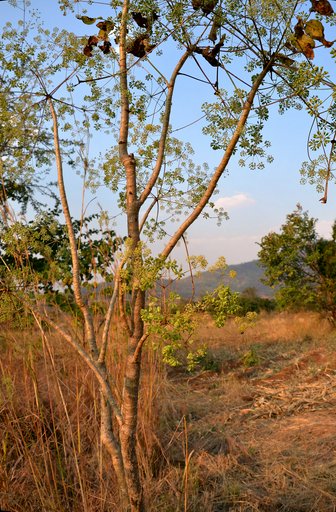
(109, 313)
(72, 239)
(165, 127)
(93, 365)
(248, 104)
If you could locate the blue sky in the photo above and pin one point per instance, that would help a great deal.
(257, 201)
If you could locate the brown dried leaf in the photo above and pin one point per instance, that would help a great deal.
(207, 6)
(196, 4)
(305, 45)
(140, 20)
(103, 35)
(299, 29)
(214, 28)
(315, 29)
(210, 54)
(88, 50)
(93, 41)
(322, 7)
(106, 25)
(105, 47)
(139, 46)
(327, 44)
(283, 59)
(145, 21)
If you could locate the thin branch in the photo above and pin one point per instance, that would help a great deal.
(324, 199)
(304, 101)
(190, 268)
(189, 124)
(257, 31)
(165, 128)
(63, 81)
(72, 239)
(137, 352)
(122, 311)
(96, 79)
(195, 78)
(93, 365)
(109, 313)
(223, 164)
(214, 86)
(147, 212)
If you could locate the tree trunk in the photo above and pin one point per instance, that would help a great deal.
(128, 430)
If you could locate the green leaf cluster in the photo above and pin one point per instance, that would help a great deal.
(36, 259)
(222, 304)
(172, 331)
(301, 265)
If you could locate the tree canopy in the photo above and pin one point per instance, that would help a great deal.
(125, 74)
(301, 265)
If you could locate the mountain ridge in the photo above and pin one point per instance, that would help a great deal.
(248, 275)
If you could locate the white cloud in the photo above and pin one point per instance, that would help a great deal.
(228, 202)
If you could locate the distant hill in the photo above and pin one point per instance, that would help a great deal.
(249, 275)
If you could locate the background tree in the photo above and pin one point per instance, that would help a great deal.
(250, 55)
(35, 259)
(251, 301)
(301, 265)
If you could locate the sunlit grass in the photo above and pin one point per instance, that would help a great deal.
(243, 434)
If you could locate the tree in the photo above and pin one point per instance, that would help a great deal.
(250, 301)
(250, 55)
(35, 259)
(301, 265)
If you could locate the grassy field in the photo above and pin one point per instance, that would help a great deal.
(254, 431)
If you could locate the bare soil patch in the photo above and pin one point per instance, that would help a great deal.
(259, 438)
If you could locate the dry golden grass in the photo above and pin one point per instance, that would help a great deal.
(254, 432)
(51, 457)
(270, 327)
(262, 438)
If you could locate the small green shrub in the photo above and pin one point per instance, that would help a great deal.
(251, 358)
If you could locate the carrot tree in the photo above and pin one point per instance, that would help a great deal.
(129, 70)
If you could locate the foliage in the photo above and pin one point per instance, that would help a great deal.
(13, 310)
(35, 257)
(250, 301)
(172, 332)
(246, 321)
(251, 357)
(222, 303)
(301, 264)
(172, 327)
(172, 324)
(119, 79)
(38, 250)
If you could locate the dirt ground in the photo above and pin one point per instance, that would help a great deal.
(264, 433)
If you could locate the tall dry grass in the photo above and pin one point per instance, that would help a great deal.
(51, 458)
(197, 451)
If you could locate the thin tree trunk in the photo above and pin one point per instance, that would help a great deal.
(132, 371)
(131, 387)
(129, 427)
(109, 441)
